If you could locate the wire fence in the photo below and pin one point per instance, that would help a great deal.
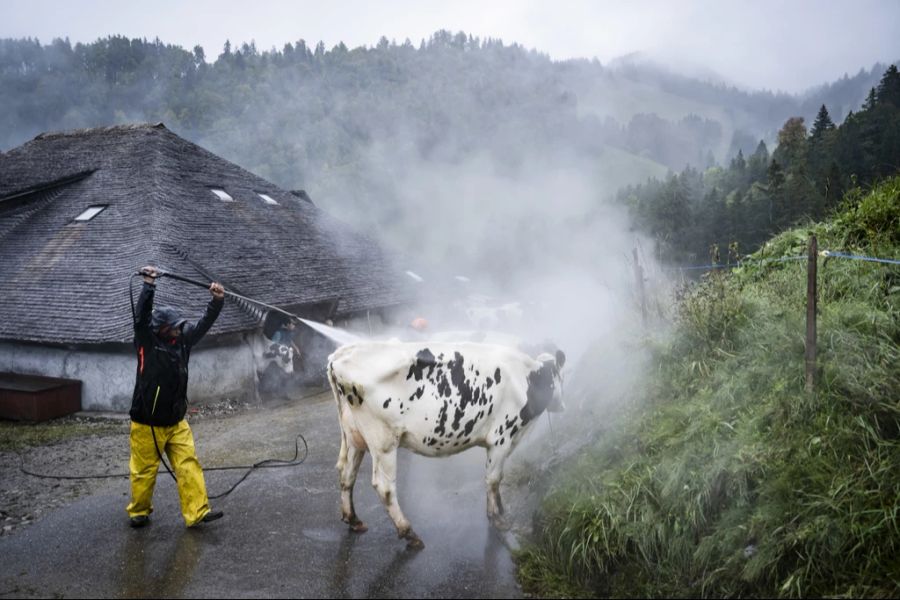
(761, 261)
(812, 287)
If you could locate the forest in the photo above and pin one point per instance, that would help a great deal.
(721, 212)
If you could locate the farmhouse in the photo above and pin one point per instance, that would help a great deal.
(81, 211)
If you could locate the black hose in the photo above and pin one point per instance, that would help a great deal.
(263, 464)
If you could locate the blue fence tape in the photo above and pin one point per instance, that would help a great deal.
(824, 253)
(735, 265)
(886, 261)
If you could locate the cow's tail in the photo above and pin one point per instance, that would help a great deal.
(342, 455)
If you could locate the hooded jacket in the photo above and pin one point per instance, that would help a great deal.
(160, 389)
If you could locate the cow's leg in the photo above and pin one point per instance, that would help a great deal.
(384, 480)
(352, 458)
(496, 456)
(342, 455)
(256, 397)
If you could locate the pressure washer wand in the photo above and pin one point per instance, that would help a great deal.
(232, 294)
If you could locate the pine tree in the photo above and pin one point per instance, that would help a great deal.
(822, 125)
(821, 150)
(889, 88)
(871, 101)
(758, 163)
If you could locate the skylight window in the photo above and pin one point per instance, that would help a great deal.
(221, 195)
(91, 212)
(266, 198)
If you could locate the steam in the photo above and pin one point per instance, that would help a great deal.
(536, 236)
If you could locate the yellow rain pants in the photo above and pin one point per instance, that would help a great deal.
(177, 441)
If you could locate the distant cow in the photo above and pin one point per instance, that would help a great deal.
(435, 399)
(265, 353)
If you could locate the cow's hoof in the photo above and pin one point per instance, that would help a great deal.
(414, 543)
(358, 527)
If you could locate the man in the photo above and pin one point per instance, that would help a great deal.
(163, 341)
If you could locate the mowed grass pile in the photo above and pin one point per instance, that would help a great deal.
(723, 477)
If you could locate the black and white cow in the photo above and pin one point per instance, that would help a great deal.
(435, 399)
(265, 352)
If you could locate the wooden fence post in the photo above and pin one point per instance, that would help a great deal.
(639, 279)
(811, 296)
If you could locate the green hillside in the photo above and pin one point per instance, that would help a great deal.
(721, 476)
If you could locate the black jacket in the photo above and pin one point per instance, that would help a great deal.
(160, 389)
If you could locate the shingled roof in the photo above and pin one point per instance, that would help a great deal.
(65, 281)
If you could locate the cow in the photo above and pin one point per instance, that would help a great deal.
(435, 399)
(265, 352)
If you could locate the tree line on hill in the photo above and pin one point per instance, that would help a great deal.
(696, 215)
(294, 113)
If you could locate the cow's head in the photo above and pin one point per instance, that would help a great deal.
(281, 355)
(545, 386)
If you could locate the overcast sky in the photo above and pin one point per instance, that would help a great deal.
(787, 45)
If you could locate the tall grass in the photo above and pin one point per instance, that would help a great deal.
(726, 478)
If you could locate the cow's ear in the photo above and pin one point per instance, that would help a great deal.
(560, 358)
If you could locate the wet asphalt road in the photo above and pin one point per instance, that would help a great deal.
(281, 535)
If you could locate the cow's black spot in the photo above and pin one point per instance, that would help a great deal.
(513, 431)
(441, 429)
(386, 403)
(497, 375)
(424, 360)
(489, 382)
(458, 377)
(470, 425)
(443, 387)
(358, 394)
(490, 409)
(417, 394)
(457, 416)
